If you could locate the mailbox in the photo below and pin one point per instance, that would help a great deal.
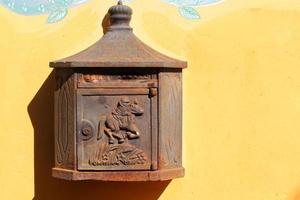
(118, 109)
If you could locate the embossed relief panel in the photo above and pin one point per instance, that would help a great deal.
(64, 119)
(122, 79)
(114, 129)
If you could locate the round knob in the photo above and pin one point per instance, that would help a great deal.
(87, 130)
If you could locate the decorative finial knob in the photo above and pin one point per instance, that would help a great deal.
(120, 16)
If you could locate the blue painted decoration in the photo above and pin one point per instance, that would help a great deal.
(187, 7)
(57, 9)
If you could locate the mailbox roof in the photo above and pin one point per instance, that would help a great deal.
(119, 47)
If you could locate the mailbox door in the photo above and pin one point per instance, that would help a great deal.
(116, 129)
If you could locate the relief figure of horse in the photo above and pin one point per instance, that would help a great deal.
(120, 123)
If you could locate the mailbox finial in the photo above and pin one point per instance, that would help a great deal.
(120, 16)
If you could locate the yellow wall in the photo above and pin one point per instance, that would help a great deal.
(241, 100)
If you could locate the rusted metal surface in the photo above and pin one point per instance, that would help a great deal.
(159, 175)
(65, 118)
(119, 47)
(118, 110)
(104, 79)
(121, 121)
(170, 119)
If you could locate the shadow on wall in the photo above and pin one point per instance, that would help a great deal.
(41, 110)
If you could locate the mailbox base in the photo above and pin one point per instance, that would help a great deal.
(159, 175)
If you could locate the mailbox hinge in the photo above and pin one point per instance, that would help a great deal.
(152, 92)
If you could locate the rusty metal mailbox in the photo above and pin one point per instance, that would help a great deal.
(118, 109)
